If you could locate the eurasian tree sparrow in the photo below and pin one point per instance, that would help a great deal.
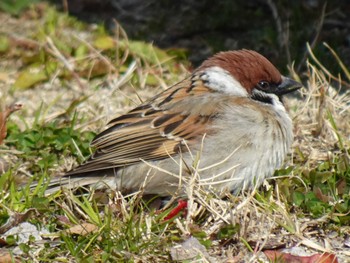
(225, 123)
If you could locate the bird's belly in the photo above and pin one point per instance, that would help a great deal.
(229, 169)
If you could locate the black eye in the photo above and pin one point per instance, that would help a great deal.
(264, 85)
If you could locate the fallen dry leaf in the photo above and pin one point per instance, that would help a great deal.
(82, 229)
(63, 220)
(341, 186)
(4, 77)
(3, 242)
(321, 196)
(4, 166)
(278, 256)
(5, 256)
(3, 118)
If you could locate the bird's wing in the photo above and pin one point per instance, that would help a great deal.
(165, 125)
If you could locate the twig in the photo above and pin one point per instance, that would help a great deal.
(323, 68)
(227, 217)
(278, 21)
(55, 52)
(65, 6)
(314, 41)
(341, 64)
(97, 53)
(123, 78)
(121, 34)
(282, 31)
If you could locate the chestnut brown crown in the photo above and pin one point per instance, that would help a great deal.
(246, 66)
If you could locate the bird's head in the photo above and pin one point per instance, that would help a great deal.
(246, 73)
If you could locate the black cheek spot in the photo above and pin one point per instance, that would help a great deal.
(262, 98)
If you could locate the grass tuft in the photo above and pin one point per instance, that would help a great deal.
(63, 70)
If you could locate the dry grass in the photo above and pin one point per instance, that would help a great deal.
(235, 228)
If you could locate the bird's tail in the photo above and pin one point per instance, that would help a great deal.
(74, 181)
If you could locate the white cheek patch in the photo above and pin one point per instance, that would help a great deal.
(222, 81)
(277, 103)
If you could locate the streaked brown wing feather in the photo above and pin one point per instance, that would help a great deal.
(152, 131)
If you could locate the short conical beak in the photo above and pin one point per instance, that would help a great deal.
(288, 85)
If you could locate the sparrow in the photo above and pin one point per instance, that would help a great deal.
(224, 126)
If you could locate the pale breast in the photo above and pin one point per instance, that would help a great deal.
(250, 146)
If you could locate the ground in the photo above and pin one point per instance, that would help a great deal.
(71, 78)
